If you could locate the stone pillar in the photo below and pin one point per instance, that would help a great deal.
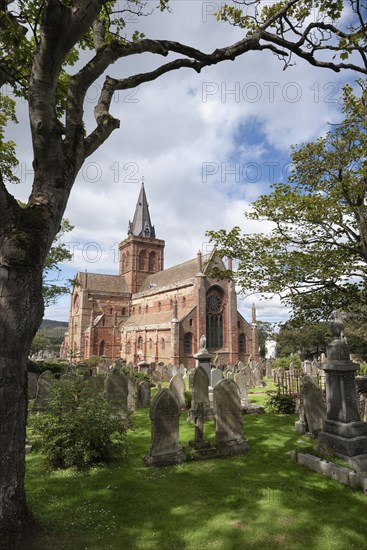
(175, 337)
(200, 292)
(343, 429)
(232, 320)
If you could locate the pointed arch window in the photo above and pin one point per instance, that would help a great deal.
(241, 343)
(140, 343)
(151, 261)
(142, 258)
(102, 347)
(214, 318)
(188, 343)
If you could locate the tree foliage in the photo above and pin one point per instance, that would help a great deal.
(53, 287)
(307, 339)
(315, 257)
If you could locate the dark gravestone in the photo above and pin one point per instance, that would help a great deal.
(200, 394)
(143, 394)
(116, 390)
(228, 418)
(177, 387)
(314, 408)
(45, 381)
(165, 448)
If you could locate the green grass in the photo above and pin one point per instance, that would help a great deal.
(260, 500)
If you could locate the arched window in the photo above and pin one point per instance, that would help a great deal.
(214, 318)
(128, 347)
(140, 343)
(146, 308)
(241, 343)
(151, 261)
(142, 257)
(139, 310)
(159, 306)
(184, 302)
(123, 311)
(188, 343)
(163, 343)
(102, 348)
(150, 343)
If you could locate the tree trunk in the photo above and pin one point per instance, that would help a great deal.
(21, 308)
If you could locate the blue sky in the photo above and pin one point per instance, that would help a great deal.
(207, 144)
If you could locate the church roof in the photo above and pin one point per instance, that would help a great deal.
(174, 275)
(141, 226)
(99, 282)
(154, 319)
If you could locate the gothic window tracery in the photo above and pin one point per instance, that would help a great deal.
(214, 318)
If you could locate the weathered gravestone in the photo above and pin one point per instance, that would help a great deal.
(45, 381)
(200, 394)
(313, 409)
(240, 366)
(32, 385)
(241, 382)
(132, 394)
(256, 376)
(177, 387)
(116, 389)
(97, 384)
(165, 448)
(216, 375)
(229, 374)
(167, 373)
(144, 393)
(228, 419)
(268, 370)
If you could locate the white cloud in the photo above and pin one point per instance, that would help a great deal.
(171, 126)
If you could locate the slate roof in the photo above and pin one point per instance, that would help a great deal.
(103, 283)
(141, 225)
(173, 275)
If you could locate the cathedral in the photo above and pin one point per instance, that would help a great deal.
(151, 314)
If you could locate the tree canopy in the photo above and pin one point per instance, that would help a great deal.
(315, 257)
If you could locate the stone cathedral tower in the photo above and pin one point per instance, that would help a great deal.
(141, 254)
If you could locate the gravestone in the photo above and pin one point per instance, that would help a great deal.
(102, 368)
(268, 370)
(143, 394)
(166, 373)
(314, 409)
(177, 387)
(45, 381)
(240, 365)
(165, 448)
(228, 418)
(32, 385)
(229, 374)
(97, 384)
(200, 394)
(256, 376)
(306, 367)
(240, 380)
(132, 394)
(116, 389)
(216, 376)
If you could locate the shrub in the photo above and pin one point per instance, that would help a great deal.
(362, 369)
(279, 403)
(56, 367)
(78, 427)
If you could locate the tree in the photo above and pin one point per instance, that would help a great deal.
(40, 44)
(58, 253)
(308, 339)
(315, 257)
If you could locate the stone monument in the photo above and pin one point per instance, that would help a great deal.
(203, 357)
(343, 429)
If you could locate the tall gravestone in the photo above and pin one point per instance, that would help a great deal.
(203, 357)
(45, 381)
(216, 376)
(200, 394)
(144, 394)
(313, 409)
(177, 387)
(241, 382)
(32, 385)
(165, 447)
(343, 429)
(228, 419)
(116, 389)
(131, 394)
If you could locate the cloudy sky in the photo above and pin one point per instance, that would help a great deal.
(207, 145)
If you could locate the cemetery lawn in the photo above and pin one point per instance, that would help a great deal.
(260, 500)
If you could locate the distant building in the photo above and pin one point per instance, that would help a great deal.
(270, 348)
(154, 314)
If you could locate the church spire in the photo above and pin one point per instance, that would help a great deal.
(141, 226)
